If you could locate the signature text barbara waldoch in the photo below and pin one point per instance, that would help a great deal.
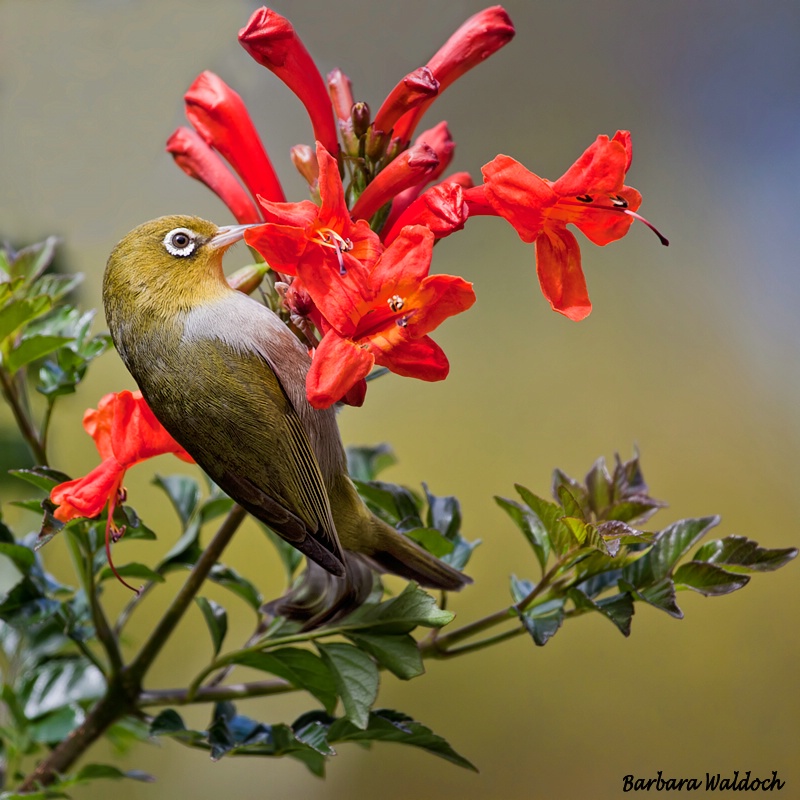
(714, 782)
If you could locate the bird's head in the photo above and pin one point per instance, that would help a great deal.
(168, 265)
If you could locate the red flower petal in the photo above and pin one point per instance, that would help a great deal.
(87, 496)
(558, 265)
(414, 358)
(600, 170)
(518, 195)
(338, 365)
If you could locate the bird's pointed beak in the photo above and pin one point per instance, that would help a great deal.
(227, 235)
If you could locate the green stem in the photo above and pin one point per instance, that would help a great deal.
(105, 636)
(24, 422)
(215, 694)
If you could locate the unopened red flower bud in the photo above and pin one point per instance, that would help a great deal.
(415, 87)
(305, 162)
(196, 158)
(410, 168)
(479, 37)
(220, 116)
(361, 118)
(271, 40)
(341, 93)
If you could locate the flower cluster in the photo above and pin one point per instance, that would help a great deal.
(356, 262)
(353, 263)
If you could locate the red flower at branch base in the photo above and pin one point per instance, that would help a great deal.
(591, 195)
(125, 432)
(384, 316)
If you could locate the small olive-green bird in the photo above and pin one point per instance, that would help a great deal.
(227, 379)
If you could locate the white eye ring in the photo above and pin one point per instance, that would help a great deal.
(180, 242)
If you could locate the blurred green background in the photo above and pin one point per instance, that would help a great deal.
(690, 355)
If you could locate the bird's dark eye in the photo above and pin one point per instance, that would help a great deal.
(180, 242)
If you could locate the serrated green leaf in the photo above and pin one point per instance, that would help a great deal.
(16, 313)
(708, 579)
(216, 620)
(385, 725)
(738, 553)
(32, 348)
(600, 487)
(668, 547)
(397, 652)
(315, 735)
(356, 678)
(530, 526)
(93, 772)
(543, 621)
(301, 668)
(576, 489)
(401, 614)
(571, 505)
(549, 516)
(619, 608)
(660, 594)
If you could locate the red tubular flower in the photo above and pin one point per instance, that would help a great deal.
(125, 432)
(385, 317)
(220, 116)
(479, 37)
(196, 158)
(441, 209)
(271, 40)
(591, 195)
(411, 168)
(441, 142)
(415, 87)
(300, 238)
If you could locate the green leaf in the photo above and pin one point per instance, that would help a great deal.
(619, 608)
(660, 594)
(31, 261)
(55, 727)
(444, 514)
(356, 678)
(395, 504)
(576, 489)
(543, 621)
(43, 478)
(216, 619)
(17, 313)
(669, 546)
(401, 614)
(530, 526)
(231, 580)
(397, 652)
(364, 463)
(32, 348)
(385, 725)
(23, 557)
(183, 492)
(549, 516)
(740, 554)
(91, 772)
(132, 570)
(571, 505)
(708, 579)
(59, 682)
(600, 487)
(432, 540)
(301, 668)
